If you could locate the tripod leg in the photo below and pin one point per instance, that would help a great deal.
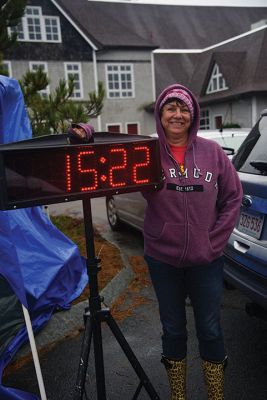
(99, 360)
(130, 355)
(93, 326)
(138, 390)
(86, 343)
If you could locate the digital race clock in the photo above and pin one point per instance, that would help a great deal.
(49, 170)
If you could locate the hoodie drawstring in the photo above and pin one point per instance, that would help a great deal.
(194, 160)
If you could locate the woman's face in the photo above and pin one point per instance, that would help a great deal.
(175, 119)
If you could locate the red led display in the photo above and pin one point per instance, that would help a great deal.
(43, 175)
(83, 160)
(144, 164)
(121, 155)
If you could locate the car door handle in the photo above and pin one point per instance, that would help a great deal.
(243, 248)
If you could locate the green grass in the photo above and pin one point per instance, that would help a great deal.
(111, 262)
(73, 228)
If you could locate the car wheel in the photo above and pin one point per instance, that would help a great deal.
(112, 214)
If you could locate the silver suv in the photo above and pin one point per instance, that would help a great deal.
(246, 251)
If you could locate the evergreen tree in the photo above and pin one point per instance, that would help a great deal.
(10, 13)
(52, 114)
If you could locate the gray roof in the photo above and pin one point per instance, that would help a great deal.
(118, 25)
(129, 26)
(241, 63)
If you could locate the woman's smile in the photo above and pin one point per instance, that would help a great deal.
(176, 120)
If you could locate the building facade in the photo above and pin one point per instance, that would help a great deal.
(132, 49)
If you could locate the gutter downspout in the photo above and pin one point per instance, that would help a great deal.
(96, 87)
(153, 76)
(254, 111)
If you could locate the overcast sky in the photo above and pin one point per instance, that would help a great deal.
(239, 3)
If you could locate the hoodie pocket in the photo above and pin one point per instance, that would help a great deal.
(170, 241)
(200, 250)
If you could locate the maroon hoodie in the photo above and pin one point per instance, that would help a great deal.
(189, 221)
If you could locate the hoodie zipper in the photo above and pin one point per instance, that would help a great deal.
(181, 178)
(176, 164)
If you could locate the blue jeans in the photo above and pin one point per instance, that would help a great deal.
(204, 285)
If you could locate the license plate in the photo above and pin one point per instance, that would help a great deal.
(251, 224)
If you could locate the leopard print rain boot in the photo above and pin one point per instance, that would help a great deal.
(214, 379)
(176, 371)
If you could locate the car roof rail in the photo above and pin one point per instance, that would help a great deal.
(264, 112)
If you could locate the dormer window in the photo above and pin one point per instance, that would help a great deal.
(36, 27)
(217, 82)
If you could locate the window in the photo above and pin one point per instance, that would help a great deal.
(119, 80)
(217, 82)
(7, 67)
(33, 20)
(114, 128)
(252, 157)
(74, 69)
(218, 122)
(52, 29)
(43, 65)
(35, 27)
(18, 30)
(204, 119)
(132, 128)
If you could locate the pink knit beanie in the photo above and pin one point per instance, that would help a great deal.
(88, 128)
(182, 95)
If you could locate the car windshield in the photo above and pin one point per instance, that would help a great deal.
(233, 142)
(252, 156)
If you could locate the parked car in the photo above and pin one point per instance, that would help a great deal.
(229, 139)
(130, 207)
(246, 251)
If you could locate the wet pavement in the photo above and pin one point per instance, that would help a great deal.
(245, 340)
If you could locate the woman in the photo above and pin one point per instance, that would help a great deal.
(187, 224)
(81, 133)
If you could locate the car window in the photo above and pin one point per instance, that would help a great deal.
(252, 156)
(233, 142)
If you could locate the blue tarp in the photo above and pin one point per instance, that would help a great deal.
(42, 266)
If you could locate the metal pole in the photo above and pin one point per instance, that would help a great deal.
(94, 299)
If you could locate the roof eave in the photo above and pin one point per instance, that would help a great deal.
(127, 47)
(230, 96)
(85, 37)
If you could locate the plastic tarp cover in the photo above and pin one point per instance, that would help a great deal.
(39, 266)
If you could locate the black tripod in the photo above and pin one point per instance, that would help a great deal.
(93, 318)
